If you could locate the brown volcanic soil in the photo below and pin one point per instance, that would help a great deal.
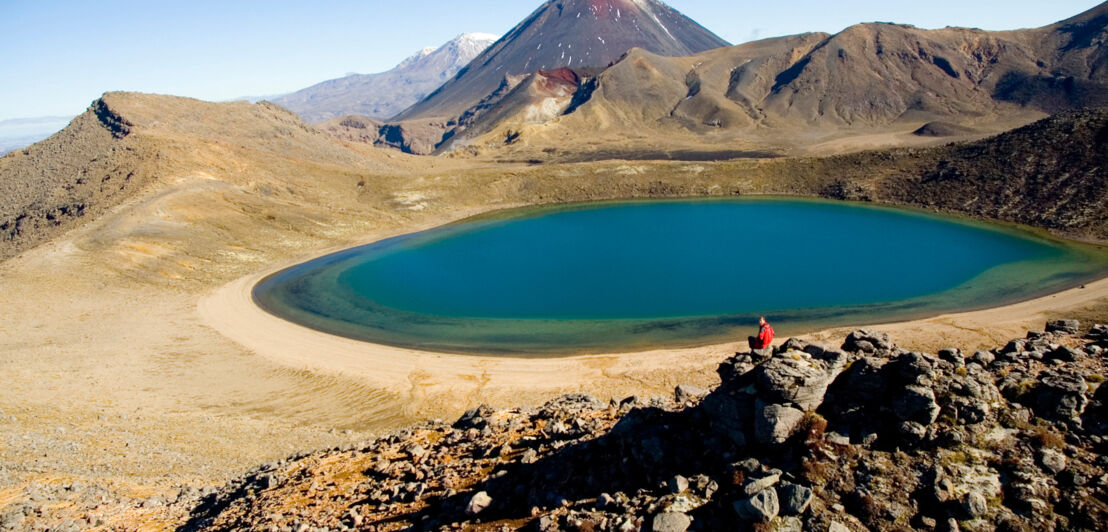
(115, 393)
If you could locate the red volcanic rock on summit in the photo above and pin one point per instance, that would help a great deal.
(562, 75)
(578, 34)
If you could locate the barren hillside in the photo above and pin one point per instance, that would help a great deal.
(126, 141)
(107, 344)
(868, 86)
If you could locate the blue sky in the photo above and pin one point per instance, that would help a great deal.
(56, 56)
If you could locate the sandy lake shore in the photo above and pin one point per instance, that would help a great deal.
(114, 373)
(423, 381)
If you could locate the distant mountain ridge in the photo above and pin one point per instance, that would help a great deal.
(386, 94)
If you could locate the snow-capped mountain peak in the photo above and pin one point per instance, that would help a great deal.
(386, 94)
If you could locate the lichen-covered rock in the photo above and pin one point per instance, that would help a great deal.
(794, 378)
(1052, 461)
(671, 522)
(762, 507)
(794, 498)
(952, 356)
(1060, 396)
(754, 485)
(775, 423)
(975, 504)
(678, 484)
(1063, 326)
(917, 404)
(984, 358)
(861, 386)
(911, 433)
(684, 393)
(913, 368)
(868, 342)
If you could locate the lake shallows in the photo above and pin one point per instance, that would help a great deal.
(639, 275)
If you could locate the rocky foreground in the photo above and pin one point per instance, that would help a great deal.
(801, 437)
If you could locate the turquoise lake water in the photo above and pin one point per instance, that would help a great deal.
(638, 275)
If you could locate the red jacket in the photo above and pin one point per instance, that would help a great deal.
(765, 336)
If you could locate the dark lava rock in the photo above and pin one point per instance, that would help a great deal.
(868, 342)
(1063, 326)
(1098, 332)
(1060, 396)
(917, 404)
(913, 368)
(794, 498)
(1064, 354)
(474, 418)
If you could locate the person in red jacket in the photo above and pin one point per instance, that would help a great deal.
(765, 335)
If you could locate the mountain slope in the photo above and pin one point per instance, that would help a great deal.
(385, 94)
(535, 98)
(126, 142)
(1074, 64)
(811, 93)
(568, 33)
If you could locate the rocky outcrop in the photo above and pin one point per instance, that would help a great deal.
(82, 171)
(804, 437)
(1010, 177)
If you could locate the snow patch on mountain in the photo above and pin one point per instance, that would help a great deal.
(385, 94)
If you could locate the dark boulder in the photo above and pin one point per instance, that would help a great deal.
(1060, 396)
(794, 498)
(1064, 354)
(1069, 327)
(1098, 333)
(476, 418)
(913, 368)
(869, 343)
(953, 356)
(916, 403)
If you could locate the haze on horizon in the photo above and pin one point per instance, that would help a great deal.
(59, 55)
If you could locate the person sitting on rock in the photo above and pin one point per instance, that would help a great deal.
(765, 335)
